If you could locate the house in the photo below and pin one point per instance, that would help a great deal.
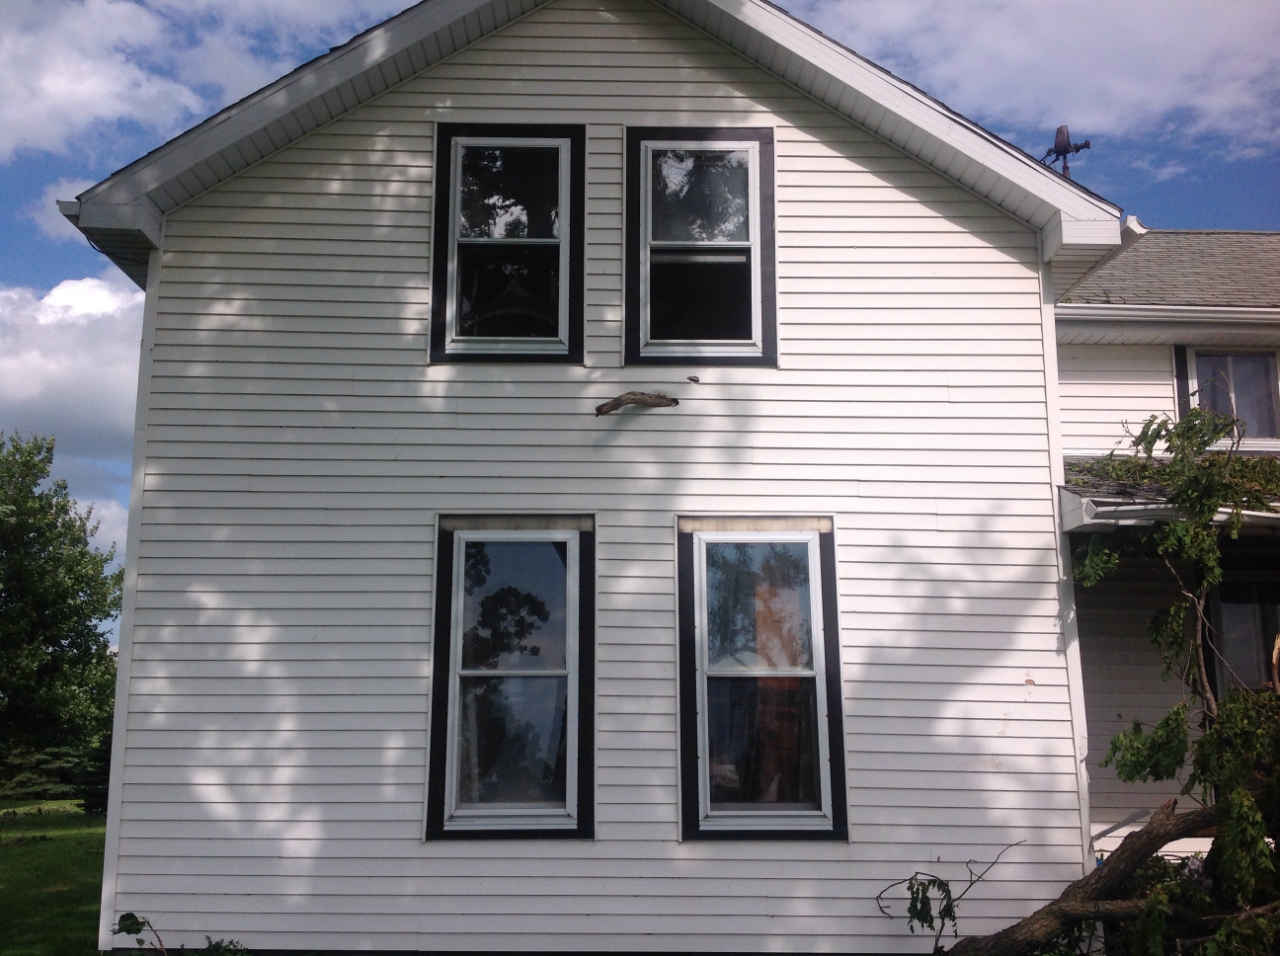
(1171, 318)
(418, 651)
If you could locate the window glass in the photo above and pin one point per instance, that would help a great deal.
(1242, 386)
(704, 297)
(758, 605)
(509, 291)
(1253, 378)
(1250, 620)
(514, 608)
(512, 741)
(1215, 383)
(509, 192)
(701, 195)
(762, 738)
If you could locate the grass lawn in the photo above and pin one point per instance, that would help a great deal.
(50, 878)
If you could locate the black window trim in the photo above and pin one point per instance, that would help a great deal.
(690, 810)
(445, 134)
(763, 135)
(438, 732)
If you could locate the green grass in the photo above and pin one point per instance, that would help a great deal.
(50, 878)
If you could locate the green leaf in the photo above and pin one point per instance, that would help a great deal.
(129, 924)
(1159, 755)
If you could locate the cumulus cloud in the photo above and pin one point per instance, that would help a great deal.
(76, 69)
(1166, 68)
(69, 368)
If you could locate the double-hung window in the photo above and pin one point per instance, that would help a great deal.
(700, 247)
(511, 727)
(507, 276)
(1242, 385)
(761, 736)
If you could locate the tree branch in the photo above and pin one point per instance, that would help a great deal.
(647, 399)
(1092, 897)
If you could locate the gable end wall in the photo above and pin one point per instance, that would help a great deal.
(299, 449)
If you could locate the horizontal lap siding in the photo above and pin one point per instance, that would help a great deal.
(1122, 683)
(1105, 387)
(299, 449)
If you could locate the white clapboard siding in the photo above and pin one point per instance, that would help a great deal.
(1105, 387)
(1122, 683)
(300, 447)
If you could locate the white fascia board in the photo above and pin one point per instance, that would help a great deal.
(1117, 324)
(940, 127)
(281, 98)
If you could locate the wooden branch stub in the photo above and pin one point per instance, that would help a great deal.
(647, 399)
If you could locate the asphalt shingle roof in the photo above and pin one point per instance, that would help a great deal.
(1173, 267)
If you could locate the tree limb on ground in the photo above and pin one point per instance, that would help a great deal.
(1093, 897)
(647, 399)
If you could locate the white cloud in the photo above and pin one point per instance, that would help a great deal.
(44, 211)
(69, 365)
(113, 524)
(74, 68)
(1138, 68)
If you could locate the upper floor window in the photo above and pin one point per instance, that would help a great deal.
(700, 247)
(1242, 385)
(759, 679)
(507, 277)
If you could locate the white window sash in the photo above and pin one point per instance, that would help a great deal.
(508, 344)
(531, 816)
(751, 819)
(700, 347)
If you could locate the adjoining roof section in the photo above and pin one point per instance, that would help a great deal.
(1172, 286)
(1178, 267)
(122, 214)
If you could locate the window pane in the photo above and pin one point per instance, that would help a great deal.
(1255, 386)
(1215, 383)
(700, 297)
(758, 611)
(509, 290)
(512, 740)
(1241, 645)
(510, 192)
(513, 613)
(701, 195)
(763, 742)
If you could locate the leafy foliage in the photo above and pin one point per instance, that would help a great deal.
(135, 926)
(57, 673)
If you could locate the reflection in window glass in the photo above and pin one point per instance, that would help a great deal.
(512, 709)
(509, 192)
(508, 246)
(512, 740)
(1240, 386)
(514, 609)
(763, 743)
(700, 266)
(758, 605)
(701, 195)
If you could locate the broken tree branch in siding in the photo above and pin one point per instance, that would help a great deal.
(647, 399)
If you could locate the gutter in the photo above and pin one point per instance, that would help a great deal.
(1082, 513)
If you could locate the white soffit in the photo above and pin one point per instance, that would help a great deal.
(1077, 227)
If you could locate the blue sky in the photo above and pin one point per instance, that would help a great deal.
(1180, 99)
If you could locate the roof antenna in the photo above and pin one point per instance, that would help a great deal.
(1062, 148)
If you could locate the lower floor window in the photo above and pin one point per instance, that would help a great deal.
(511, 731)
(1247, 628)
(759, 683)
